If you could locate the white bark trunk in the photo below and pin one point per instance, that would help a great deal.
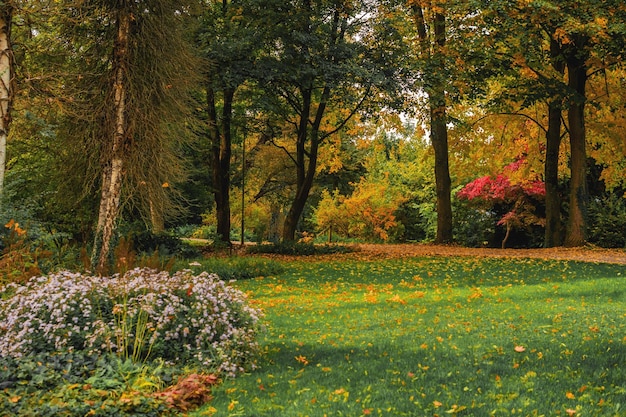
(113, 170)
(6, 83)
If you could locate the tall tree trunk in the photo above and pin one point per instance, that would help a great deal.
(577, 220)
(553, 234)
(221, 154)
(433, 52)
(306, 160)
(439, 138)
(113, 166)
(156, 218)
(7, 78)
(309, 132)
(304, 182)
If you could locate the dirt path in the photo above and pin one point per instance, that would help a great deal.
(586, 254)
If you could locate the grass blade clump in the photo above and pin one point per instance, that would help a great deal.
(141, 315)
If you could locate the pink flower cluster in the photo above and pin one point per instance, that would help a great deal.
(183, 317)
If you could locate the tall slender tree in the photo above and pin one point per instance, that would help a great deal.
(133, 70)
(553, 232)
(228, 45)
(577, 74)
(430, 22)
(112, 165)
(7, 81)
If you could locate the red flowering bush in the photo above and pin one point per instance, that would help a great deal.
(519, 201)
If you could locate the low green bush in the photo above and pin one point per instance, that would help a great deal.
(234, 267)
(77, 384)
(298, 248)
(607, 219)
(141, 315)
(166, 244)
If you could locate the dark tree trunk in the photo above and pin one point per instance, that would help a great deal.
(439, 138)
(577, 220)
(306, 163)
(221, 143)
(553, 236)
(309, 135)
(553, 233)
(433, 51)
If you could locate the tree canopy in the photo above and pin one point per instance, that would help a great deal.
(361, 120)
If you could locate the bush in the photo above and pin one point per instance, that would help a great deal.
(473, 227)
(164, 243)
(195, 319)
(607, 220)
(235, 267)
(298, 248)
(74, 384)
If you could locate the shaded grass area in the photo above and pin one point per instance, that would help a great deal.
(436, 336)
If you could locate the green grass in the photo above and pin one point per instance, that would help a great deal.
(436, 336)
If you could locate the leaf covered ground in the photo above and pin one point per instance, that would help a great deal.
(391, 331)
(392, 251)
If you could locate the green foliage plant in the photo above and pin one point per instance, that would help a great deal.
(234, 267)
(77, 384)
(20, 258)
(141, 315)
(607, 215)
(298, 248)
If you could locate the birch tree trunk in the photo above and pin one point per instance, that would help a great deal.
(114, 161)
(6, 84)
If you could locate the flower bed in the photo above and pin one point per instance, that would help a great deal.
(141, 315)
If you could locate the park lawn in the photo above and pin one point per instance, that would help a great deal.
(436, 336)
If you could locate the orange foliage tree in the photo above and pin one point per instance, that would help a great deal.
(368, 213)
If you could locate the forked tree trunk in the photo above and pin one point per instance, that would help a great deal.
(577, 220)
(304, 174)
(113, 166)
(306, 159)
(6, 84)
(309, 136)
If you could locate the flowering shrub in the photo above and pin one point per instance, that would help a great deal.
(142, 314)
(518, 200)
